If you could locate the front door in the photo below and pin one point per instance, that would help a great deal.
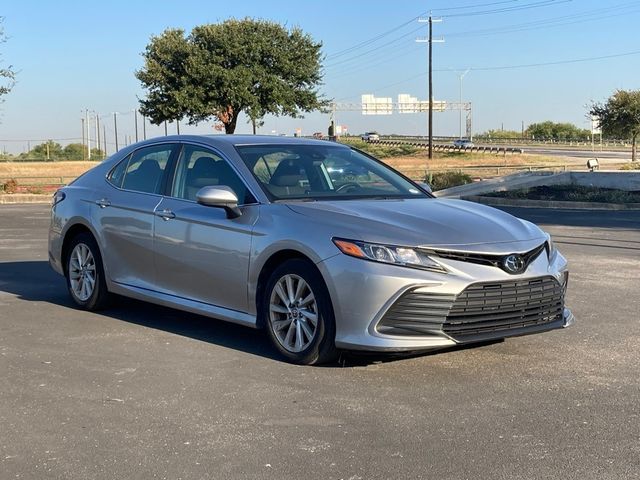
(200, 254)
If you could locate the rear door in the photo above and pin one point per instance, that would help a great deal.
(125, 212)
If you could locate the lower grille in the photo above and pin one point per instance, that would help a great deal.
(480, 309)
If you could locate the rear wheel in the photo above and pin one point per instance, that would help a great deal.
(85, 274)
(299, 316)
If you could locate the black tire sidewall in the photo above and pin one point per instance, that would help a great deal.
(97, 299)
(322, 347)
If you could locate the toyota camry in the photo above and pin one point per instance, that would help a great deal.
(319, 244)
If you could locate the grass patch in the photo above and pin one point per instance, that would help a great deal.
(33, 173)
(381, 151)
(442, 180)
(631, 166)
(571, 193)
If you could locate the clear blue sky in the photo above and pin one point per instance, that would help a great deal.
(76, 55)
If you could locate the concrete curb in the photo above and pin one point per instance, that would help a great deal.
(17, 198)
(512, 202)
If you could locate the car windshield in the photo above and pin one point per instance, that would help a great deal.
(319, 172)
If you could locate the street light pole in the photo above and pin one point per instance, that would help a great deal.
(461, 76)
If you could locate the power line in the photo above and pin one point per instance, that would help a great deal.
(507, 67)
(528, 6)
(375, 49)
(474, 6)
(560, 62)
(371, 40)
(586, 16)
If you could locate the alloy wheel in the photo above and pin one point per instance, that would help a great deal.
(82, 272)
(293, 313)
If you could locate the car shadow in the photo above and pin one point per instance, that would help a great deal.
(35, 281)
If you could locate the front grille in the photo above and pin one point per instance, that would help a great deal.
(482, 308)
(416, 314)
(491, 260)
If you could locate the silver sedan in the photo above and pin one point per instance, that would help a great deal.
(321, 245)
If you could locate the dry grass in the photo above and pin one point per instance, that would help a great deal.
(47, 170)
(39, 177)
(480, 165)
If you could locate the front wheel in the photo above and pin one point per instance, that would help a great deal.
(85, 274)
(299, 315)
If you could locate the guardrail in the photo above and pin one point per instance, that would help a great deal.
(439, 147)
(487, 170)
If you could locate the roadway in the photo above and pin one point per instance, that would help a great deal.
(141, 391)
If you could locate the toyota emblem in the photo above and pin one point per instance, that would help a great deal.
(513, 264)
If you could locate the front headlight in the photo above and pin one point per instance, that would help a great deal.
(403, 256)
(551, 248)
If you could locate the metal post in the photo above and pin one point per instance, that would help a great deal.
(98, 132)
(104, 139)
(165, 128)
(135, 122)
(460, 111)
(115, 128)
(178, 127)
(86, 112)
(144, 127)
(430, 87)
(84, 150)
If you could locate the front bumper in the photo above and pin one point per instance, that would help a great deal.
(363, 291)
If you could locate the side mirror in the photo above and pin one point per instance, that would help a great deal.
(425, 186)
(220, 197)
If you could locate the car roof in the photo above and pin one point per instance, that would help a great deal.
(237, 140)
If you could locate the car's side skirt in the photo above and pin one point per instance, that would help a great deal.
(184, 304)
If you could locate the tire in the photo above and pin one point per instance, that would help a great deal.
(303, 331)
(85, 274)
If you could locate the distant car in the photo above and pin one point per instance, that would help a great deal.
(318, 135)
(463, 143)
(371, 137)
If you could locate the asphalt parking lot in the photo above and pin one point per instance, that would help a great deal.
(143, 392)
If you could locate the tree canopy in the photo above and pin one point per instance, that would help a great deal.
(7, 75)
(556, 131)
(51, 150)
(619, 116)
(219, 70)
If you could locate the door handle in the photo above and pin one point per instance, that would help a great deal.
(103, 202)
(166, 214)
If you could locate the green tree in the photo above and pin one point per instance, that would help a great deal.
(7, 75)
(556, 131)
(620, 116)
(500, 134)
(78, 151)
(75, 151)
(219, 70)
(48, 150)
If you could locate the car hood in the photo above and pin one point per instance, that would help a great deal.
(442, 223)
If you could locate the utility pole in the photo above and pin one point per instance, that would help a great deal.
(86, 112)
(98, 132)
(430, 41)
(135, 122)
(84, 151)
(144, 127)
(178, 126)
(104, 139)
(115, 128)
(165, 128)
(461, 76)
